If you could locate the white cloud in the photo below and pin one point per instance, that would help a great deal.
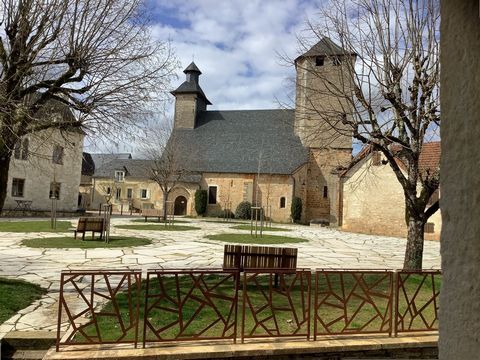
(235, 45)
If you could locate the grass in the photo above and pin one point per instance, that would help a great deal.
(88, 243)
(226, 222)
(166, 311)
(158, 227)
(34, 226)
(248, 239)
(248, 227)
(17, 295)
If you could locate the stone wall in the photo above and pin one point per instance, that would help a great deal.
(460, 180)
(373, 202)
(186, 108)
(317, 108)
(235, 188)
(320, 178)
(39, 171)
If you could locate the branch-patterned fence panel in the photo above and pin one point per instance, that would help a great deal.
(417, 301)
(353, 302)
(271, 310)
(182, 305)
(95, 302)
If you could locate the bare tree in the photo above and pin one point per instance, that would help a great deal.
(165, 167)
(95, 59)
(384, 92)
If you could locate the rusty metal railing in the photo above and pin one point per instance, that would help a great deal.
(276, 308)
(353, 302)
(417, 301)
(182, 305)
(104, 307)
(82, 293)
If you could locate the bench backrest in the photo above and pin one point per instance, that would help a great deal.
(90, 224)
(259, 257)
(151, 212)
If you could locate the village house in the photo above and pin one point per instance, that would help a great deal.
(372, 200)
(45, 166)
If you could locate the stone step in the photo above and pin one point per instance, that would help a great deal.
(28, 340)
(26, 355)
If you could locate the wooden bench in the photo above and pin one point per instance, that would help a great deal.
(93, 224)
(146, 213)
(259, 257)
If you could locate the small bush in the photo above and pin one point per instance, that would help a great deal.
(296, 209)
(244, 210)
(201, 202)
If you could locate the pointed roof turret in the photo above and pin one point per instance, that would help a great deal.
(326, 47)
(191, 84)
(192, 68)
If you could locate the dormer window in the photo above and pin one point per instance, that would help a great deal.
(119, 176)
(319, 61)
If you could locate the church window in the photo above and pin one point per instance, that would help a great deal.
(118, 195)
(21, 149)
(212, 194)
(325, 192)
(282, 202)
(129, 193)
(319, 61)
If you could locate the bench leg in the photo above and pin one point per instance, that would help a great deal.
(75, 234)
(145, 219)
(83, 236)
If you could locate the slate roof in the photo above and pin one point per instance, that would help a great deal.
(191, 87)
(233, 141)
(325, 47)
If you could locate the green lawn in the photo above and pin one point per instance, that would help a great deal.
(248, 239)
(248, 227)
(158, 227)
(226, 222)
(167, 313)
(34, 226)
(16, 295)
(88, 243)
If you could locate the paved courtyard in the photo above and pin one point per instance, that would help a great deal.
(325, 248)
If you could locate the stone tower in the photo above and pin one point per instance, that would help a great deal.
(189, 99)
(320, 115)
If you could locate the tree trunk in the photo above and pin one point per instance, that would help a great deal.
(414, 250)
(4, 166)
(165, 199)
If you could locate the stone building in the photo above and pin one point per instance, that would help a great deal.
(372, 200)
(266, 157)
(44, 165)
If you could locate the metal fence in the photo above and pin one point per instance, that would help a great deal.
(190, 305)
(276, 303)
(353, 302)
(81, 295)
(104, 307)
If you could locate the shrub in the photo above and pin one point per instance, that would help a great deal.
(296, 209)
(244, 210)
(201, 202)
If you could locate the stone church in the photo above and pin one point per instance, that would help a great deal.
(266, 157)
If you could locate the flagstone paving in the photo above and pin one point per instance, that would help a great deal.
(326, 248)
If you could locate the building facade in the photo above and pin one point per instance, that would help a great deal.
(45, 165)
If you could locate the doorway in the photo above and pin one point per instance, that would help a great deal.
(180, 207)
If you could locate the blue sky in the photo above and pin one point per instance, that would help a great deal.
(235, 44)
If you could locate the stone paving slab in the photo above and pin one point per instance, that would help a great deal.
(325, 248)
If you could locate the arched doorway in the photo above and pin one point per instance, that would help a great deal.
(180, 205)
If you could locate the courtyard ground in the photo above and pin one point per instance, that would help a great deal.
(324, 248)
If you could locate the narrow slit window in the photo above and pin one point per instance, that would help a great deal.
(282, 202)
(325, 192)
